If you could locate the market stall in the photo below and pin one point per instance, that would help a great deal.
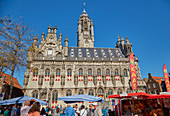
(142, 104)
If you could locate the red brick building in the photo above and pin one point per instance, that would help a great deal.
(155, 85)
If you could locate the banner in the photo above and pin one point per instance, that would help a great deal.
(166, 78)
(133, 72)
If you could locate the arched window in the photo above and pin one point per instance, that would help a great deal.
(119, 91)
(47, 72)
(80, 72)
(98, 72)
(58, 72)
(128, 91)
(107, 72)
(110, 92)
(68, 93)
(69, 72)
(54, 95)
(125, 73)
(35, 94)
(100, 91)
(35, 72)
(81, 92)
(116, 72)
(89, 72)
(91, 92)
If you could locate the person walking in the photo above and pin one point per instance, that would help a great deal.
(25, 109)
(35, 109)
(83, 111)
(97, 110)
(13, 110)
(69, 111)
(6, 112)
(90, 112)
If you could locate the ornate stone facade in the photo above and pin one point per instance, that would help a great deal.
(61, 70)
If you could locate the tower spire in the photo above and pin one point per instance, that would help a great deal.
(84, 7)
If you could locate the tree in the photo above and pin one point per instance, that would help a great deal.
(15, 38)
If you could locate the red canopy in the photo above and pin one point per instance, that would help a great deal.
(130, 95)
(164, 96)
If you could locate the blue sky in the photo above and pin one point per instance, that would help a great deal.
(145, 22)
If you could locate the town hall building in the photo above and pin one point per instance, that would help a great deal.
(55, 70)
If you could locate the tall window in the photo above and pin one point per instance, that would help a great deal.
(119, 91)
(149, 86)
(80, 72)
(116, 72)
(54, 95)
(98, 72)
(89, 72)
(35, 73)
(50, 51)
(35, 94)
(154, 85)
(110, 92)
(69, 72)
(47, 72)
(58, 72)
(81, 92)
(128, 91)
(107, 72)
(125, 72)
(91, 92)
(68, 93)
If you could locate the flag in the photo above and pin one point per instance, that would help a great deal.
(133, 72)
(166, 78)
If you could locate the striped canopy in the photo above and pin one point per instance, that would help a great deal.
(21, 100)
(81, 98)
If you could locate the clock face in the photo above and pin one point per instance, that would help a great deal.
(86, 33)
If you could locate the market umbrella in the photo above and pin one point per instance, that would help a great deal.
(21, 100)
(80, 98)
(130, 95)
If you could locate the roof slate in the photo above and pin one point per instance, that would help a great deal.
(101, 52)
(158, 79)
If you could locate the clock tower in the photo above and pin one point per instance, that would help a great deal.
(85, 32)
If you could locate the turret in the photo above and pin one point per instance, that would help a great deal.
(122, 42)
(42, 37)
(128, 47)
(35, 39)
(66, 47)
(118, 40)
(55, 29)
(59, 40)
(66, 41)
(49, 29)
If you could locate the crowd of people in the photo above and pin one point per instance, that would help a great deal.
(34, 109)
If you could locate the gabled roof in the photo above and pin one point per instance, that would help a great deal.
(15, 81)
(158, 79)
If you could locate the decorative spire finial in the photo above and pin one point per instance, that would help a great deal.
(84, 6)
(36, 38)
